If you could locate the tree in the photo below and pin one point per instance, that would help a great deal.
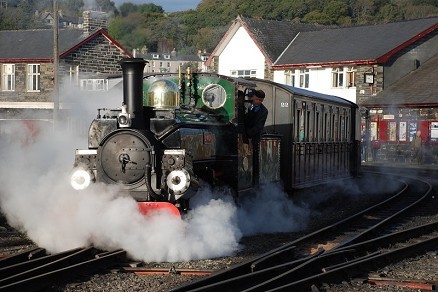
(335, 10)
(127, 8)
(389, 12)
(150, 8)
(317, 17)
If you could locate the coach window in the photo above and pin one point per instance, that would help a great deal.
(328, 125)
(334, 127)
(343, 137)
(299, 121)
(312, 123)
(308, 127)
(331, 121)
(347, 125)
(317, 124)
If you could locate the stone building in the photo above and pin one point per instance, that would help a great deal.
(86, 58)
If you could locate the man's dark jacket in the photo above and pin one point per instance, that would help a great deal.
(255, 122)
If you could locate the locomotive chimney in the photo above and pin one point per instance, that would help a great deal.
(133, 89)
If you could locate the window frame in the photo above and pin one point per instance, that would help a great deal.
(350, 75)
(289, 77)
(304, 78)
(5, 77)
(73, 74)
(89, 84)
(242, 73)
(338, 77)
(33, 79)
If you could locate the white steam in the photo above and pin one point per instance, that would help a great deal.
(37, 199)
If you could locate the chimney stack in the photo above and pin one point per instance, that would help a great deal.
(95, 20)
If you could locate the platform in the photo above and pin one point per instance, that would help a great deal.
(401, 165)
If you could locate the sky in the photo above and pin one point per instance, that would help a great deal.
(168, 5)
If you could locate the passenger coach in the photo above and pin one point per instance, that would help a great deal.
(320, 134)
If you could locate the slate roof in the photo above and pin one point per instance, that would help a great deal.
(417, 88)
(37, 44)
(358, 44)
(273, 36)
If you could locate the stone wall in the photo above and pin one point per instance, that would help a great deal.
(365, 90)
(96, 56)
(21, 94)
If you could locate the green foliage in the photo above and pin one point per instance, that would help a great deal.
(317, 17)
(150, 8)
(336, 10)
(127, 8)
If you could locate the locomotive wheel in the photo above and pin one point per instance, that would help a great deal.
(123, 156)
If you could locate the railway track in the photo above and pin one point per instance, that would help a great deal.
(34, 269)
(357, 244)
(331, 254)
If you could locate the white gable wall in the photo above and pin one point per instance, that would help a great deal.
(241, 53)
(320, 80)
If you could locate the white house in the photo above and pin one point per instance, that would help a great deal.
(250, 46)
(352, 62)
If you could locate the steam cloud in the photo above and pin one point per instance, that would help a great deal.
(37, 199)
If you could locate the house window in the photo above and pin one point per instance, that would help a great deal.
(304, 78)
(338, 77)
(33, 77)
(351, 76)
(8, 77)
(167, 57)
(289, 77)
(161, 64)
(153, 64)
(73, 74)
(155, 56)
(94, 84)
(168, 64)
(244, 73)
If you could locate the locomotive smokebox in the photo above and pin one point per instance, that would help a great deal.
(133, 89)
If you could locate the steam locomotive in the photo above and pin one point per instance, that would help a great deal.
(177, 131)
